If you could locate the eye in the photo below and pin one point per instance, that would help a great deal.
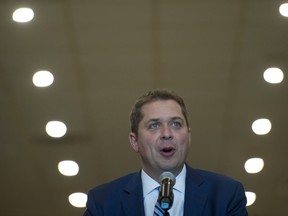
(153, 125)
(176, 124)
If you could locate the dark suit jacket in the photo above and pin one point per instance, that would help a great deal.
(206, 194)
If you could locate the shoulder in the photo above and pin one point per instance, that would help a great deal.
(223, 194)
(121, 181)
(113, 187)
(213, 176)
(100, 197)
(212, 179)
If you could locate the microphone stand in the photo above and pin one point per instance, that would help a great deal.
(166, 213)
(166, 195)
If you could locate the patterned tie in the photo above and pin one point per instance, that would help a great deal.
(158, 211)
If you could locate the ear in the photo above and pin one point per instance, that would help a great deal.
(189, 131)
(133, 141)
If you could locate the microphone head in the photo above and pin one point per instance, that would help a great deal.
(168, 175)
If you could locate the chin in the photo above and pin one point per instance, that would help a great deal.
(169, 168)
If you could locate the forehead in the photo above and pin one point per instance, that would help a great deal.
(161, 109)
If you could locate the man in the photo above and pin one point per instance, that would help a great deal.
(160, 133)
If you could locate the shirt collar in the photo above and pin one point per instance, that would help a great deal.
(150, 184)
(180, 180)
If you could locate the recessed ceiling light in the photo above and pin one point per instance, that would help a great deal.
(254, 165)
(273, 75)
(78, 199)
(251, 197)
(56, 129)
(43, 78)
(23, 15)
(68, 168)
(261, 126)
(283, 9)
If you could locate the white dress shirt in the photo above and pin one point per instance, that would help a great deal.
(150, 193)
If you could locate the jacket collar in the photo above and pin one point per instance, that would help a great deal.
(195, 193)
(132, 198)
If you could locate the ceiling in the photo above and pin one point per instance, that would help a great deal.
(103, 55)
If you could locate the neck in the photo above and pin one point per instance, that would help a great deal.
(156, 174)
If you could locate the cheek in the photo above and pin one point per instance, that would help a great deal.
(185, 142)
(146, 145)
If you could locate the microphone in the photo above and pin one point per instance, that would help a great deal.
(166, 195)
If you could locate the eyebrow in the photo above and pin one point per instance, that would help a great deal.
(177, 118)
(158, 119)
(152, 120)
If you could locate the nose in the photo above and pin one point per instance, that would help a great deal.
(166, 133)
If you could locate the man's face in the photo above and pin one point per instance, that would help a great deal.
(163, 138)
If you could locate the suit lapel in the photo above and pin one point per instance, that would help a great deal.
(195, 194)
(132, 198)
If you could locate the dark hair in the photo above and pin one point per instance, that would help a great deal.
(158, 94)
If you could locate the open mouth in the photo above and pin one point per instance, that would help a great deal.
(167, 151)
